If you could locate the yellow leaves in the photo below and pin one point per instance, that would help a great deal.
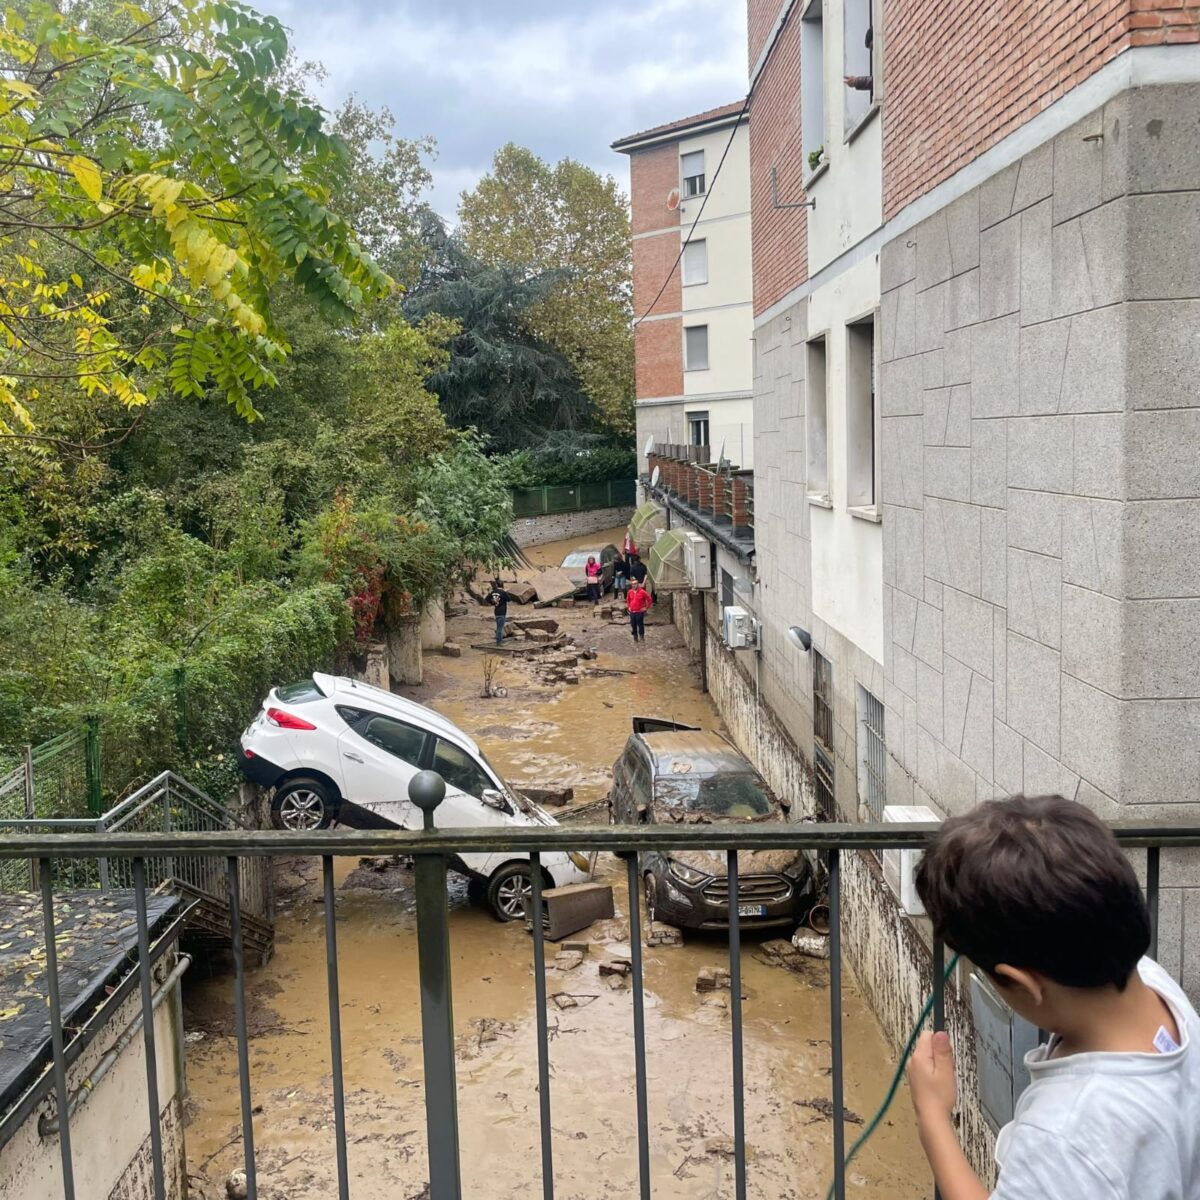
(87, 175)
(77, 280)
(18, 87)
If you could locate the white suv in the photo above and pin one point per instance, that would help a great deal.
(331, 746)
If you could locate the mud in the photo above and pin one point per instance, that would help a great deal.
(561, 735)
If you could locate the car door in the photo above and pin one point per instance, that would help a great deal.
(463, 808)
(379, 756)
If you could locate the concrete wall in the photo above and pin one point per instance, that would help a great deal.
(110, 1133)
(536, 531)
(1041, 422)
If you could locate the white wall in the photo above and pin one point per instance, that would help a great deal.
(847, 551)
(730, 424)
(109, 1130)
(849, 195)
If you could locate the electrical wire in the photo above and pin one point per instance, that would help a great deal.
(708, 191)
(909, 1046)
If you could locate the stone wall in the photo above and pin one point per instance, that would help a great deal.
(1041, 514)
(536, 531)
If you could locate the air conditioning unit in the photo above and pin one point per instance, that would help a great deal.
(900, 866)
(740, 629)
(698, 561)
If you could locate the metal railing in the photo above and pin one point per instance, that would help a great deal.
(165, 805)
(433, 851)
(573, 497)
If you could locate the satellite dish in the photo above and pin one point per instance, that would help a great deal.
(654, 477)
(800, 638)
(649, 446)
(673, 199)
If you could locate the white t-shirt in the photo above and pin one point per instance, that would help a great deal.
(1109, 1126)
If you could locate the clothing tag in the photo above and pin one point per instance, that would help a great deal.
(1164, 1043)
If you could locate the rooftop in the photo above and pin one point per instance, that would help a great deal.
(680, 126)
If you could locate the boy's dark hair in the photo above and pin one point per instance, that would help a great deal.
(1036, 882)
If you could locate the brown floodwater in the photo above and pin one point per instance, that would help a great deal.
(540, 734)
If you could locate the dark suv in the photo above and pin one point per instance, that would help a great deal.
(677, 773)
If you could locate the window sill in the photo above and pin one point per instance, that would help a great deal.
(819, 499)
(696, 283)
(695, 370)
(866, 512)
(812, 178)
(862, 123)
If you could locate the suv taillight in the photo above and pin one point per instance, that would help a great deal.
(287, 720)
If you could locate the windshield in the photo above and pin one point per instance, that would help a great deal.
(578, 558)
(738, 797)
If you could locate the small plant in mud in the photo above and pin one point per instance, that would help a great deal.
(490, 665)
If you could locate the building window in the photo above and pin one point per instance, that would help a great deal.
(862, 418)
(695, 348)
(823, 735)
(698, 428)
(726, 589)
(816, 421)
(692, 167)
(858, 63)
(812, 86)
(695, 263)
(872, 754)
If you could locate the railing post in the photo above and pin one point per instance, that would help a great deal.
(427, 790)
(103, 862)
(92, 764)
(835, 1024)
(27, 764)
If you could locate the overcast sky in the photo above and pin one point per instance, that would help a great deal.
(564, 77)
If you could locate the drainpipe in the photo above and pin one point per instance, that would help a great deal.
(48, 1126)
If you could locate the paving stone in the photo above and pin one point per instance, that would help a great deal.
(1035, 600)
(1094, 371)
(967, 630)
(1035, 521)
(962, 231)
(1000, 269)
(1164, 266)
(933, 251)
(1078, 165)
(1099, 455)
(1043, 356)
(1040, 453)
(989, 462)
(995, 361)
(1033, 706)
(1162, 454)
(1036, 264)
(1163, 366)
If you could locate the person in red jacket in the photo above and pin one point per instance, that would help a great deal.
(638, 601)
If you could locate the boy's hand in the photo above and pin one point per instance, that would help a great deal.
(931, 1076)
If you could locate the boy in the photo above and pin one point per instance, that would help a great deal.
(1037, 894)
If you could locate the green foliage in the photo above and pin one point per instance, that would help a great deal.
(566, 220)
(158, 186)
(577, 461)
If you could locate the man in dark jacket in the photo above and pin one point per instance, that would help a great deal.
(498, 598)
(637, 568)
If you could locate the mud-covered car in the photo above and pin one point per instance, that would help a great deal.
(677, 773)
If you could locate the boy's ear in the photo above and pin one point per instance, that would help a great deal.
(1029, 982)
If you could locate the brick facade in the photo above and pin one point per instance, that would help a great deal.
(654, 259)
(760, 20)
(779, 236)
(653, 173)
(955, 88)
(658, 351)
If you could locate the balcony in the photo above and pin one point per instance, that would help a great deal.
(230, 851)
(717, 498)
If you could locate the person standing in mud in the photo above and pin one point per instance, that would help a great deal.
(637, 568)
(498, 598)
(620, 574)
(595, 574)
(638, 602)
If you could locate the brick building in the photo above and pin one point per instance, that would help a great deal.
(976, 405)
(693, 335)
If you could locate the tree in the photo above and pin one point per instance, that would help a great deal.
(571, 221)
(156, 187)
(500, 378)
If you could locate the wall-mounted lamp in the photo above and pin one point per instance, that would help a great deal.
(800, 638)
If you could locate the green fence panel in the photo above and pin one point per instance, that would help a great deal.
(562, 499)
(593, 495)
(623, 493)
(529, 502)
(578, 497)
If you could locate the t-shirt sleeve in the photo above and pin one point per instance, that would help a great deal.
(1039, 1165)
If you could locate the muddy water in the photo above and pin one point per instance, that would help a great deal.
(538, 734)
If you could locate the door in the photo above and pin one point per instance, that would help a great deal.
(379, 756)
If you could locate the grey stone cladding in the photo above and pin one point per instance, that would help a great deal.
(1040, 389)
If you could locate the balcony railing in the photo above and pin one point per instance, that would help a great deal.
(432, 851)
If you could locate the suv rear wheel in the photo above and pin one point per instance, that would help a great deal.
(507, 891)
(303, 804)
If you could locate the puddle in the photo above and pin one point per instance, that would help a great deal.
(565, 735)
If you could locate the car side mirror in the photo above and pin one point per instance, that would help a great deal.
(497, 800)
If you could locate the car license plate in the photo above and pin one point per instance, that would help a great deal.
(752, 910)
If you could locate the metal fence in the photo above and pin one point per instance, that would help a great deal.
(225, 852)
(573, 497)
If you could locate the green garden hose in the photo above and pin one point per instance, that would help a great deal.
(874, 1122)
